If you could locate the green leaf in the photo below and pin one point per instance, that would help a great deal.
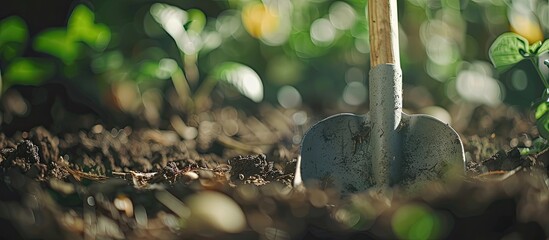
(506, 50)
(525, 151)
(57, 43)
(28, 71)
(197, 20)
(542, 118)
(535, 47)
(544, 47)
(81, 27)
(541, 110)
(243, 78)
(13, 34)
(13, 29)
(543, 125)
(80, 21)
(167, 15)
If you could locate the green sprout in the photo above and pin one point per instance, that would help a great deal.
(508, 50)
(190, 36)
(63, 43)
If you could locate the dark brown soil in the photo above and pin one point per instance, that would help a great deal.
(128, 183)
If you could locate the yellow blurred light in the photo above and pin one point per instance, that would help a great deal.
(259, 20)
(526, 26)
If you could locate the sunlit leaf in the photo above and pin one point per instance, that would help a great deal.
(57, 43)
(541, 110)
(173, 20)
(543, 123)
(242, 77)
(12, 30)
(197, 20)
(535, 47)
(27, 71)
(81, 27)
(508, 49)
(543, 48)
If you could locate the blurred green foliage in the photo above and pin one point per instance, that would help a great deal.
(318, 47)
(415, 221)
(13, 33)
(64, 43)
(61, 43)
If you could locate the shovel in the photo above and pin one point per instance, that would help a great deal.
(385, 147)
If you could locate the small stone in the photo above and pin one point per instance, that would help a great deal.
(213, 211)
(189, 176)
(204, 174)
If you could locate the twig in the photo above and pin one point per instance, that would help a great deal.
(79, 174)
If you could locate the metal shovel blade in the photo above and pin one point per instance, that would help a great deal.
(382, 148)
(338, 153)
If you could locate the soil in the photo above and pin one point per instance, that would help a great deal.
(227, 174)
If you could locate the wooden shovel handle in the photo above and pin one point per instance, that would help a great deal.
(382, 16)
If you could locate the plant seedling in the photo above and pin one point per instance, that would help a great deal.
(508, 50)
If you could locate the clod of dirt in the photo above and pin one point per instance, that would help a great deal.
(172, 173)
(46, 144)
(253, 169)
(507, 161)
(24, 157)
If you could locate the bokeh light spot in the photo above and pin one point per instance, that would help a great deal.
(322, 32)
(259, 20)
(477, 86)
(354, 74)
(519, 80)
(415, 221)
(289, 97)
(342, 16)
(355, 93)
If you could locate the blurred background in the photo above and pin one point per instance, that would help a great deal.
(139, 62)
